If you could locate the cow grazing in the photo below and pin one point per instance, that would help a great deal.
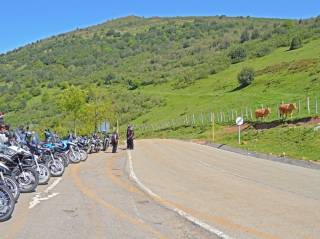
(287, 109)
(262, 113)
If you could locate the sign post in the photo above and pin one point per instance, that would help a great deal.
(239, 122)
(212, 118)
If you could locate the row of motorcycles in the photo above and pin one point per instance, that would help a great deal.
(95, 144)
(26, 162)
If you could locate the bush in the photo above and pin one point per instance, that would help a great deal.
(244, 36)
(109, 78)
(246, 76)
(35, 92)
(237, 54)
(186, 44)
(132, 85)
(255, 34)
(110, 32)
(295, 43)
(262, 51)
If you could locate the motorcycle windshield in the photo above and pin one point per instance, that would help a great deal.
(36, 138)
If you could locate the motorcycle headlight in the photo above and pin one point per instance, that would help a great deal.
(9, 152)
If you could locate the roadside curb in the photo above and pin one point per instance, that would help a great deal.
(178, 211)
(295, 162)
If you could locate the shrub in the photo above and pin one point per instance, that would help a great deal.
(109, 78)
(246, 76)
(244, 36)
(132, 85)
(262, 51)
(295, 43)
(110, 32)
(255, 34)
(35, 92)
(186, 44)
(237, 54)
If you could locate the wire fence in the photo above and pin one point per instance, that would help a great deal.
(307, 107)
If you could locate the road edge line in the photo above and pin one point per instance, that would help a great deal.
(180, 212)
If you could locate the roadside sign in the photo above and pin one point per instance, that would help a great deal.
(239, 122)
(104, 127)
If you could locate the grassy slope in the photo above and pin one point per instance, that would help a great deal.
(213, 94)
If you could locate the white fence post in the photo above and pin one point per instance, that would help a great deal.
(308, 105)
(247, 113)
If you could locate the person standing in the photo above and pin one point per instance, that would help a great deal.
(1, 118)
(3, 135)
(114, 141)
(130, 137)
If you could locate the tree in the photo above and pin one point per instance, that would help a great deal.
(295, 43)
(245, 36)
(246, 76)
(71, 101)
(237, 54)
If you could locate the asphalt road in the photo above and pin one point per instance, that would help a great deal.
(95, 199)
(172, 189)
(241, 196)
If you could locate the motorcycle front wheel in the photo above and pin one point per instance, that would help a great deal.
(44, 173)
(27, 179)
(56, 168)
(84, 155)
(13, 186)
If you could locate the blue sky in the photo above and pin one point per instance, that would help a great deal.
(25, 21)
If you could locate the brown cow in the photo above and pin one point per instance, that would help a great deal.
(287, 109)
(262, 113)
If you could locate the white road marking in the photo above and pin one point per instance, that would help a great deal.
(38, 198)
(53, 185)
(180, 212)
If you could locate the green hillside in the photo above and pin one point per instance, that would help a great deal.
(283, 75)
(154, 69)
